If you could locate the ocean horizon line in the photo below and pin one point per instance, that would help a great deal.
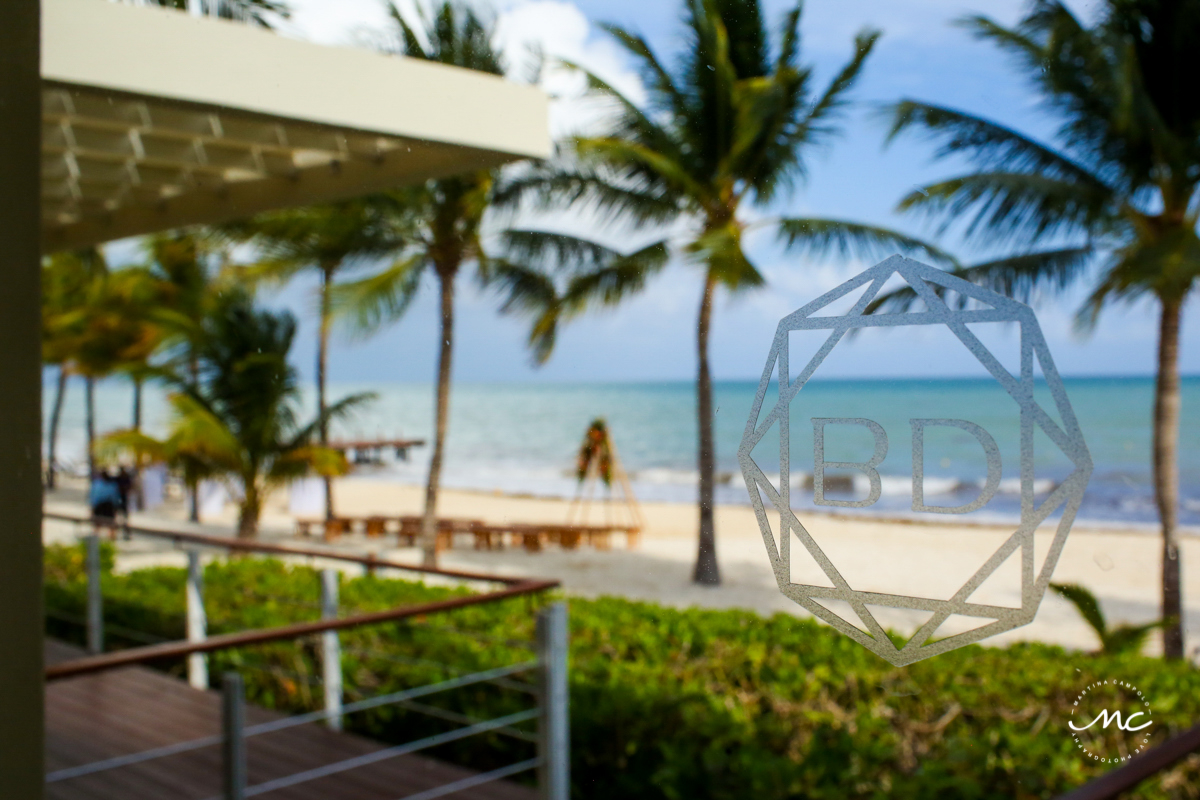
(633, 382)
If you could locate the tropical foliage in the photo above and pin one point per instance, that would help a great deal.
(96, 322)
(239, 421)
(1115, 640)
(671, 703)
(727, 126)
(263, 13)
(1112, 201)
(329, 240)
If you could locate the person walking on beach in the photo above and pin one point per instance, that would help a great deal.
(104, 498)
(124, 484)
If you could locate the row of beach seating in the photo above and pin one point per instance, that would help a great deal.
(485, 536)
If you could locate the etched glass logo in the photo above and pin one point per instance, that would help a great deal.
(1052, 420)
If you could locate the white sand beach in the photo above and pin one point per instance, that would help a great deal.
(1121, 566)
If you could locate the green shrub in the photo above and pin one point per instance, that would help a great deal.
(667, 703)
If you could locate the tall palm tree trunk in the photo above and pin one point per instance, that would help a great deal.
(60, 392)
(706, 571)
(250, 510)
(193, 485)
(1167, 403)
(135, 493)
(442, 414)
(193, 498)
(89, 385)
(322, 359)
(137, 403)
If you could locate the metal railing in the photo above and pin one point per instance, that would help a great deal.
(549, 665)
(1112, 785)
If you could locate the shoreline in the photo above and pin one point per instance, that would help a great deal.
(930, 520)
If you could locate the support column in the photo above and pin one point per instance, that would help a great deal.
(197, 621)
(233, 739)
(554, 735)
(95, 595)
(331, 651)
(21, 623)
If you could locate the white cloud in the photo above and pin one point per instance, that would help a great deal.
(562, 34)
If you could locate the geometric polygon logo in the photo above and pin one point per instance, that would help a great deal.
(930, 285)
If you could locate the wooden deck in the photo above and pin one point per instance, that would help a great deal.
(127, 710)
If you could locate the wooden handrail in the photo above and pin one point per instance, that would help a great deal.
(514, 587)
(1139, 768)
(287, 549)
(155, 652)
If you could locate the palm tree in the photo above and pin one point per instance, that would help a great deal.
(262, 13)
(179, 259)
(725, 127)
(239, 421)
(65, 280)
(448, 214)
(1117, 188)
(99, 322)
(330, 240)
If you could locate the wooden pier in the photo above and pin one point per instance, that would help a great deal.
(132, 709)
(370, 451)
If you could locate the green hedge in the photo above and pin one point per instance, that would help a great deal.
(667, 703)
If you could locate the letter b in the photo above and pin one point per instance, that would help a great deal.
(866, 467)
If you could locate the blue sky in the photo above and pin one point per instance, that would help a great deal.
(921, 55)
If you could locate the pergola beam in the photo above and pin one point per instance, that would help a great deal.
(152, 119)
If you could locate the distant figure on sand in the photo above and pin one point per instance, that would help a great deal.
(124, 483)
(104, 498)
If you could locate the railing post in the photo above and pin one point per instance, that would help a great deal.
(197, 621)
(233, 742)
(95, 600)
(554, 735)
(331, 651)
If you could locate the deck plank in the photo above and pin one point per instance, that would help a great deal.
(130, 709)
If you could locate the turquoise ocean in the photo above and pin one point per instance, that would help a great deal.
(522, 438)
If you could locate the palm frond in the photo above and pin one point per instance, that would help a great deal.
(1130, 638)
(557, 252)
(635, 158)
(1006, 206)
(532, 293)
(720, 250)
(367, 304)
(852, 239)
(588, 188)
(113, 446)
(816, 124)
(616, 280)
(1021, 277)
(334, 411)
(664, 95)
(1086, 604)
(988, 144)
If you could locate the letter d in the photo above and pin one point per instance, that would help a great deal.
(990, 450)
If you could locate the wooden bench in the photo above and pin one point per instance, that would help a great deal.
(335, 527)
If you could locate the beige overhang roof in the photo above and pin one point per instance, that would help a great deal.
(154, 119)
